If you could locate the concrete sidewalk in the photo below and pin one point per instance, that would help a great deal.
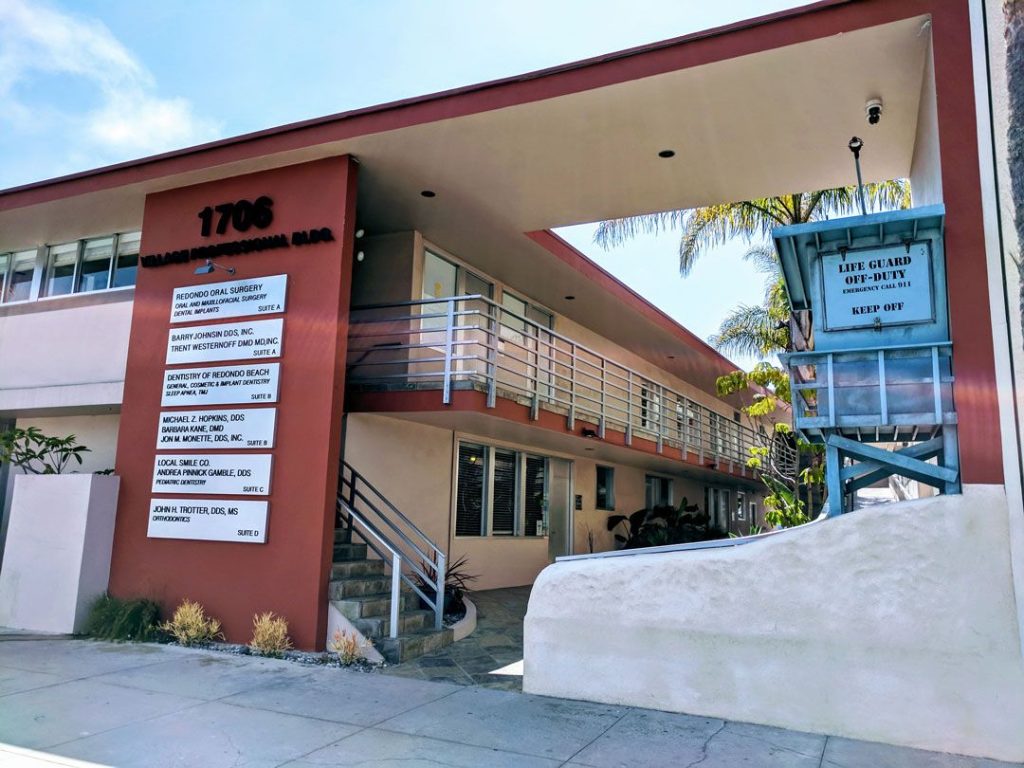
(67, 701)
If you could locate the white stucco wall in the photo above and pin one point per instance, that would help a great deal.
(57, 559)
(86, 348)
(895, 624)
(97, 433)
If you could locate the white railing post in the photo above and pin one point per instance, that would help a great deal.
(602, 420)
(661, 417)
(396, 593)
(572, 387)
(629, 407)
(448, 333)
(491, 336)
(441, 571)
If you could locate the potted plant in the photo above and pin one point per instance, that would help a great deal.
(56, 559)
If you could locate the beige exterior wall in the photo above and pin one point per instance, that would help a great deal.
(97, 433)
(412, 465)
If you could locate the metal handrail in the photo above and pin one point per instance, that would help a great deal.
(544, 365)
(356, 507)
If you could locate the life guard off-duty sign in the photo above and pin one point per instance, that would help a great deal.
(876, 287)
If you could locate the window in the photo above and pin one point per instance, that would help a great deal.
(19, 276)
(650, 408)
(512, 327)
(62, 260)
(605, 497)
(96, 262)
(439, 277)
(752, 508)
(82, 266)
(500, 492)
(470, 517)
(535, 494)
(741, 510)
(503, 504)
(658, 491)
(127, 262)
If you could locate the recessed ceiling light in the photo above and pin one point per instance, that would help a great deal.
(428, 193)
(671, 357)
(667, 153)
(570, 298)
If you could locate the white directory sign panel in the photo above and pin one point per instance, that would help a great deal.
(221, 385)
(245, 474)
(234, 298)
(877, 287)
(239, 428)
(208, 520)
(227, 341)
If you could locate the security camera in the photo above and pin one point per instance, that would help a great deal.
(873, 111)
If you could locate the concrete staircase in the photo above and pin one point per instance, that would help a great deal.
(361, 590)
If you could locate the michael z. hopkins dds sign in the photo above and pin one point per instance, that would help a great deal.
(240, 216)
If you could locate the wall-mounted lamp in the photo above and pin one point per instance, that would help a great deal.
(209, 266)
(360, 232)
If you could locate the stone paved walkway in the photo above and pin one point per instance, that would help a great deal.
(491, 657)
(155, 706)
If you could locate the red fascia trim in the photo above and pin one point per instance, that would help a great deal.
(594, 272)
(741, 38)
(426, 401)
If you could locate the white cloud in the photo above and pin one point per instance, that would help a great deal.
(119, 112)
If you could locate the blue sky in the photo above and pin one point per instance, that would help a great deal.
(94, 82)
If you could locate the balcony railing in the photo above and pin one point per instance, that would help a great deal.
(471, 342)
(880, 394)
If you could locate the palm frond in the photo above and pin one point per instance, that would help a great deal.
(616, 232)
(751, 331)
(764, 259)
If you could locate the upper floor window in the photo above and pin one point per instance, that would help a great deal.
(17, 280)
(81, 266)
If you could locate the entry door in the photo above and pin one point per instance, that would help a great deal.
(559, 507)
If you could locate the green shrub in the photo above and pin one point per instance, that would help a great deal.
(111, 618)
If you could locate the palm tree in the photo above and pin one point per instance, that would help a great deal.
(763, 329)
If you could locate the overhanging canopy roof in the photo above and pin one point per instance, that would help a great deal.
(761, 108)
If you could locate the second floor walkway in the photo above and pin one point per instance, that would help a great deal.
(472, 343)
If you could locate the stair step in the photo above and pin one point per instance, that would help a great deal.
(343, 552)
(405, 647)
(368, 606)
(375, 627)
(342, 535)
(353, 586)
(356, 568)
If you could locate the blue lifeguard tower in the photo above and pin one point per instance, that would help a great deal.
(875, 384)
